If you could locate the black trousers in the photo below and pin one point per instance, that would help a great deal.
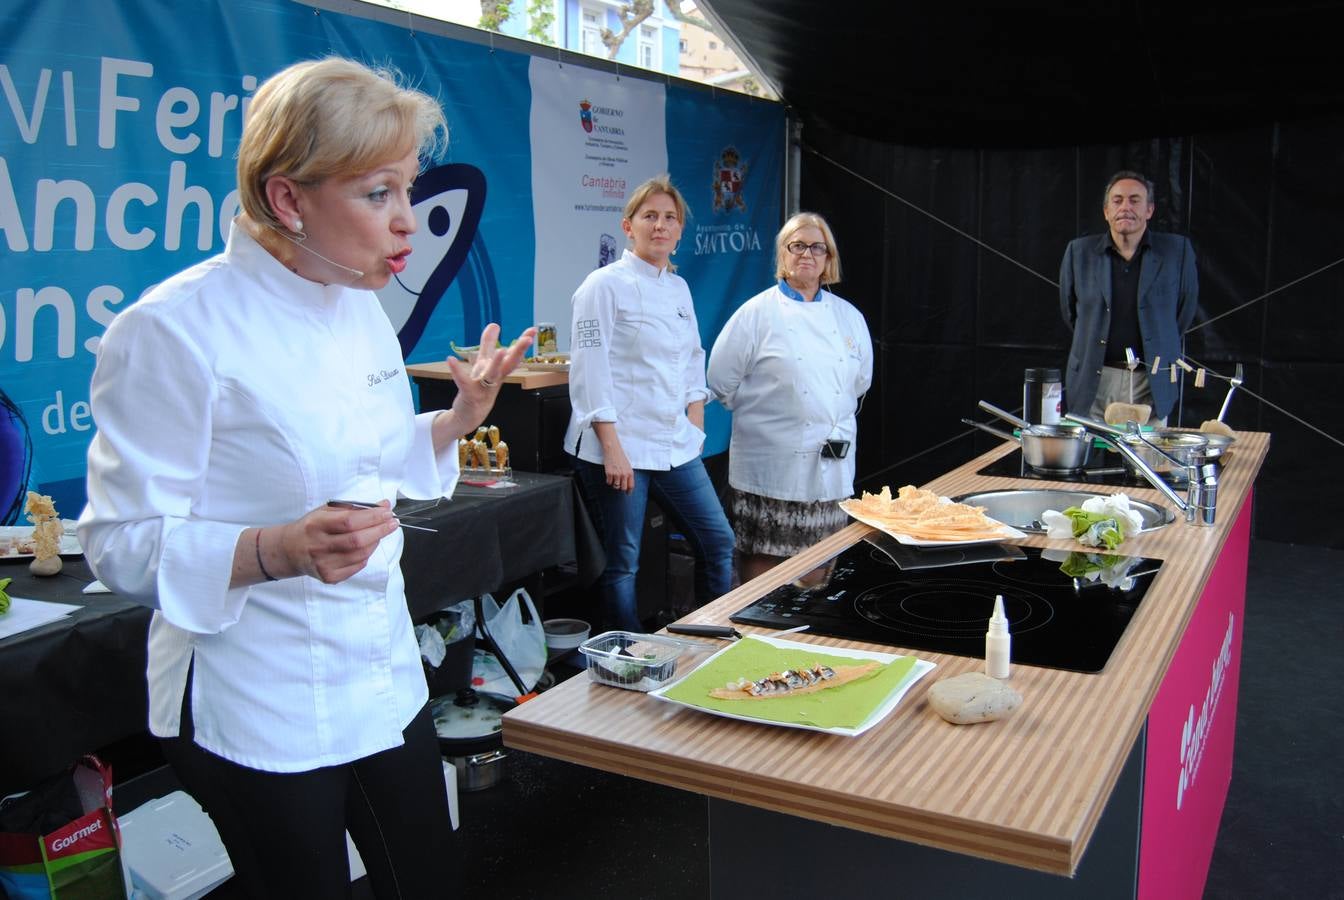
(285, 832)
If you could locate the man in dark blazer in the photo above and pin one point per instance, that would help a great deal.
(1130, 288)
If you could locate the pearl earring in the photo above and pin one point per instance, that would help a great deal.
(298, 224)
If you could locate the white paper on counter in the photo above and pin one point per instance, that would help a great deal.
(96, 587)
(25, 615)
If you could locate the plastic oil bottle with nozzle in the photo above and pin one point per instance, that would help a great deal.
(998, 642)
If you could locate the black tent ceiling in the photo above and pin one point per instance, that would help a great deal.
(979, 73)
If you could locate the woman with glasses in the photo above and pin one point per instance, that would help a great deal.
(792, 364)
(637, 392)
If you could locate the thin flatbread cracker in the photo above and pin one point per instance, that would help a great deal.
(923, 515)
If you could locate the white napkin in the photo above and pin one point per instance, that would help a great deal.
(97, 587)
(25, 614)
(1117, 506)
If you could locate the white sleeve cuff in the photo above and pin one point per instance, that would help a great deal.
(194, 574)
(429, 474)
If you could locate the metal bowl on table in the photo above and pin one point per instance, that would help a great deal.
(1168, 452)
(1219, 445)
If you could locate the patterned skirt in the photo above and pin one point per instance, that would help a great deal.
(781, 527)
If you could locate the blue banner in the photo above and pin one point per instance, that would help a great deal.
(728, 162)
(118, 132)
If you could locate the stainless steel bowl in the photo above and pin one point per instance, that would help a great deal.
(1177, 448)
(1219, 444)
(1022, 509)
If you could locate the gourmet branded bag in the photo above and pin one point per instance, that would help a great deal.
(60, 840)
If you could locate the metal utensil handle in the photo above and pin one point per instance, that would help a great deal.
(1231, 386)
(1095, 425)
(1004, 414)
(992, 430)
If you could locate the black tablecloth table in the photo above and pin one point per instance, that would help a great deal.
(488, 536)
(70, 686)
(78, 684)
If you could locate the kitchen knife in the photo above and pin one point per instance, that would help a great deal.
(718, 631)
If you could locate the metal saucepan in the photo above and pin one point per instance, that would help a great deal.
(1049, 448)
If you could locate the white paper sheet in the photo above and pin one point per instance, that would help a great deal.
(24, 615)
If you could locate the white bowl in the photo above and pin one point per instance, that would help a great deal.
(565, 634)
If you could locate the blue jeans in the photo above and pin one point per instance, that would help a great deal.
(687, 496)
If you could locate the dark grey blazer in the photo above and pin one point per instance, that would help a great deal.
(1168, 299)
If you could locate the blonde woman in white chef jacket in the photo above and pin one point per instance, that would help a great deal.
(637, 391)
(792, 364)
(233, 402)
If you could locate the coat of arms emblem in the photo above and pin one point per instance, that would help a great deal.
(730, 172)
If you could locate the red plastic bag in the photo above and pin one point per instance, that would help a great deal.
(42, 858)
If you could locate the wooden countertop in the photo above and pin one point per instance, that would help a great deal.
(525, 378)
(1027, 790)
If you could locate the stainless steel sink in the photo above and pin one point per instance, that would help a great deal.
(1022, 509)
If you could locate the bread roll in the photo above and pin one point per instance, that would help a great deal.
(1120, 413)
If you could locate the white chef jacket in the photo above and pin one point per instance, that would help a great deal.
(636, 360)
(239, 394)
(792, 373)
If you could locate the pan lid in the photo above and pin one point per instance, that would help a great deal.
(469, 717)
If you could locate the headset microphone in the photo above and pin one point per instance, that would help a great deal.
(302, 246)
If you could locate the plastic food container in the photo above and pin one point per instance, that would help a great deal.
(636, 662)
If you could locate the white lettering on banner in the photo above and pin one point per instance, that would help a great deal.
(115, 223)
(98, 305)
(50, 195)
(121, 82)
(178, 108)
(1196, 732)
(716, 239)
(81, 416)
(26, 308)
(49, 199)
(71, 839)
(11, 220)
(28, 126)
(110, 102)
(179, 196)
(68, 91)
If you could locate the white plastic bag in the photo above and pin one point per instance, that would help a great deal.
(516, 629)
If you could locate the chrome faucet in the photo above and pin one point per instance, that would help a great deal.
(1201, 475)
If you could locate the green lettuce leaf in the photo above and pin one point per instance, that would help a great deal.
(1080, 565)
(4, 598)
(1096, 529)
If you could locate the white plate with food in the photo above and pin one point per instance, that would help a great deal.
(1002, 533)
(920, 518)
(16, 541)
(771, 681)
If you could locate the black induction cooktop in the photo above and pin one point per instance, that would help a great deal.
(1101, 468)
(1065, 610)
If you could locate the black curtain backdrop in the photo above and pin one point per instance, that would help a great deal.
(956, 322)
